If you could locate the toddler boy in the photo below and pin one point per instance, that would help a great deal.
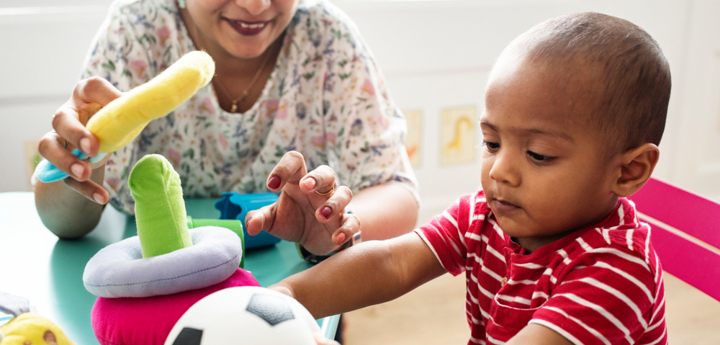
(552, 251)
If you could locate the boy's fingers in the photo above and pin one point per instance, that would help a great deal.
(291, 168)
(283, 289)
(89, 189)
(321, 180)
(67, 125)
(321, 340)
(334, 205)
(50, 148)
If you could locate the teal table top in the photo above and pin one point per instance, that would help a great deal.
(36, 265)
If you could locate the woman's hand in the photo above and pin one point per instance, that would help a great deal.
(69, 132)
(310, 209)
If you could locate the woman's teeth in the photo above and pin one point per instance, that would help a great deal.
(251, 26)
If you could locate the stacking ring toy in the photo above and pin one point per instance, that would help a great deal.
(145, 283)
(119, 270)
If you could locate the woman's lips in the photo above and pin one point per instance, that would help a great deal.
(501, 206)
(248, 28)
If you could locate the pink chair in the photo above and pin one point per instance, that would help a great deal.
(685, 233)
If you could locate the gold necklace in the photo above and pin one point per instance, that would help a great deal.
(247, 89)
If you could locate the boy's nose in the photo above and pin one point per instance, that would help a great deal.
(504, 170)
(254, 7)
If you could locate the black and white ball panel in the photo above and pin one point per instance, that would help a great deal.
(245, 315)
(188, 336)
(273, 309)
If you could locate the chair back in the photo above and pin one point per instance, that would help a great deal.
(685, 233)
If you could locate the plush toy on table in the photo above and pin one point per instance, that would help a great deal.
(245, 315)
(172, 276)
(121, 120)
(146, 283)
(27, 327)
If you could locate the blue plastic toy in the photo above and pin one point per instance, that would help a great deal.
(236, 206)
(45, 172)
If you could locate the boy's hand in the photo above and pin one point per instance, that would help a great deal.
(284, 289)
(310, 209)
(321, 340)
(69, 132)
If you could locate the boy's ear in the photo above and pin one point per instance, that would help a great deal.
(636, 168)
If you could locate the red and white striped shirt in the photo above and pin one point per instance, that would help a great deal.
(599, 285)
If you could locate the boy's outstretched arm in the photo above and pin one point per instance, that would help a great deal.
(370, 273)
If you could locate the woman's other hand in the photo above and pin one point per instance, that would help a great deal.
(310, 209)
(69, 132)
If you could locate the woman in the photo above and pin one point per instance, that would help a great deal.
(290, 76)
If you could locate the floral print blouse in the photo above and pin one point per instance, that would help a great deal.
(325, 98)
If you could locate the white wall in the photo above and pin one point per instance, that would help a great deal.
(43, 44)
(435, 55)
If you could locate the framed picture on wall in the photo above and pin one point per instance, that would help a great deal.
(457, 135)
(413, 140)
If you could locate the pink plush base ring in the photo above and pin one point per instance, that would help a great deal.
(148, 320)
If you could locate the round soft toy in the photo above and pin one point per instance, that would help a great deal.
(27, 327)
(121, 120)
(245, 315)
(145, 283)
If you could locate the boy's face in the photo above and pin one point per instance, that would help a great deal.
(545, 169)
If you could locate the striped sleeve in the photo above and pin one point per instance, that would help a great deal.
(607, 297)
(445, 235)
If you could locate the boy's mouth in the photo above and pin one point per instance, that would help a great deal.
(502, 206)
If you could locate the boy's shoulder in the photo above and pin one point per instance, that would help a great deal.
(620, 235)
(620, 238)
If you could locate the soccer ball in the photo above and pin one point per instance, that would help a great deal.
(245, 315)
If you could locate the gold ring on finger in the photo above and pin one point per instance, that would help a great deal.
(330, 191)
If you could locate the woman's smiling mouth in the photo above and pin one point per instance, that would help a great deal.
(248, 28)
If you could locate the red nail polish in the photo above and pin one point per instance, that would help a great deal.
(340, 237)
(326, 212)
(274, 182)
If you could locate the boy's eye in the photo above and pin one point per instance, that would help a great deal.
(491, 146)
(539, 157)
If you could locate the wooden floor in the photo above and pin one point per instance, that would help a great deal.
(434, 314)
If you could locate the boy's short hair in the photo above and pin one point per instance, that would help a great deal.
(633, 99)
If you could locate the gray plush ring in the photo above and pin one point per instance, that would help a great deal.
(119, 270)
